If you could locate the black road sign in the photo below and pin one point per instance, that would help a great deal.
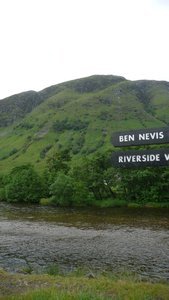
(141, 137)
(141, 158)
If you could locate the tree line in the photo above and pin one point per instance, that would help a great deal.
(89, 182)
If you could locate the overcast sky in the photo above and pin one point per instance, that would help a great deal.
(44, 42)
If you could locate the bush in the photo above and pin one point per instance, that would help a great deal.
(13, 151)
(45, 150)
(65, 124)
(65, 191)
(24, 185)
(62, 190)
(2, 194)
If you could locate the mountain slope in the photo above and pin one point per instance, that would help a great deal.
(17, 106)
(80, 115)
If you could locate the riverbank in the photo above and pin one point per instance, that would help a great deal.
(122, 203)
(113, 203)
(113, 239)
(77, 286)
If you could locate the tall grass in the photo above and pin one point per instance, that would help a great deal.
(81, 287)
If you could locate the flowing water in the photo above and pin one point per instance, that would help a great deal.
(34, 237)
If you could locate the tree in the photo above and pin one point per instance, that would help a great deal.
(97, 175)
(58, 162)
(2, 188)
(145, 185)
(24, 185)
(62, 190)
(65, 191)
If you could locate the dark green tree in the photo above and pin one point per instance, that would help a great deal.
(97, 175)
(145, 185)
(24, 185)
(62, 190)
(65, 191)
(56, 163)
(2, 188)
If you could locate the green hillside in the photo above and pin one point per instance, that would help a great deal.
(80, 115)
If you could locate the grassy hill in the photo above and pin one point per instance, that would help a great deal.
(80, 115)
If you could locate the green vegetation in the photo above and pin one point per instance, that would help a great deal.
(16, 107)
(56, 144)
(79, 286)
(92, 182)
(23, 185)
(80, 115)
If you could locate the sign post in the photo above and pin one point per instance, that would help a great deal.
(141, 158)
(141, 137)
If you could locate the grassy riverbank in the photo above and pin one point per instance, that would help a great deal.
(79, 287)
(123, 203)
(114, 203)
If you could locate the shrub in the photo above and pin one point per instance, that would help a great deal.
(2, 194)
(45, 150)
(24, 185)
(62, 190)
(65, 124)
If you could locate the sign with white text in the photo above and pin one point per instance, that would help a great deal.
(141, 137)
(141, 158)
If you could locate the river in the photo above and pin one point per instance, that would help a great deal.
(35, 237)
